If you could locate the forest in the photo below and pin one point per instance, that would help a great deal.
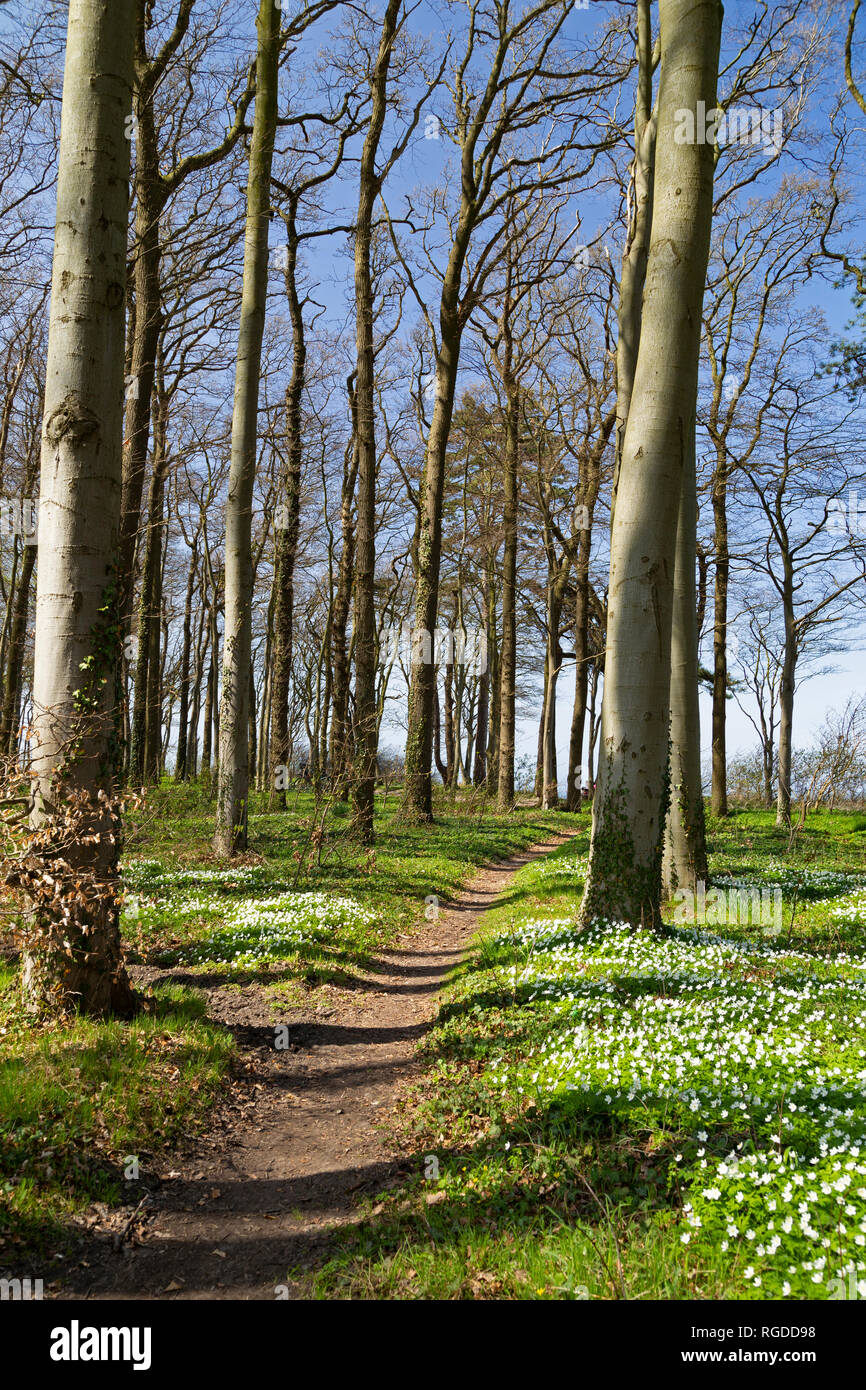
(432, 652)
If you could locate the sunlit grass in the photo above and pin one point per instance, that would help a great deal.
(79, 1099)
(626, 1115)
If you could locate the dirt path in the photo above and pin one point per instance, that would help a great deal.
(266, 1194)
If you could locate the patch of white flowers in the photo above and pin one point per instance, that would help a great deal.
(246, 931)
(804, 880)
(150, 877)
(566, 867)
(751, 1055)
(850, 910)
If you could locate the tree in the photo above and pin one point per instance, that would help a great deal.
(370, 185)
(154, 189)
(76, 959)
(814, 564)
(230, 834)
(288, 516)
(761, 254)
(630, 806)
(685, 850)
(507, 77)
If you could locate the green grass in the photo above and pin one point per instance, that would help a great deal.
(295, 914)
(555, 1151)
(78, 1098)
(620, 1115)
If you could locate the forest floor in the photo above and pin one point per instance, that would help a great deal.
(214, 1142)
(401, 1075)
(267, 1195)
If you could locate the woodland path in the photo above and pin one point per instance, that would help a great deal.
(267, 1189)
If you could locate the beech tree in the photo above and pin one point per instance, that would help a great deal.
(230, 834)
(506, 78)
(424, 425)
(630, 806)
(75, 961)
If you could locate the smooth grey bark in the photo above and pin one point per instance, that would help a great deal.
(634, 261)
(154, 189)
(630, 806)
(340, 736)
(719, 790)
(209, 688)
(555, 597)
(233, 784)
(479, 771)
(182, 761)
(493, 678)
(142, 762)
(685, 853)
(581, 672)
(508, 649)
(76, 961)
(786, 698)
(283, 596)
(370, 183)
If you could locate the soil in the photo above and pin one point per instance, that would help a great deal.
(300, 1138)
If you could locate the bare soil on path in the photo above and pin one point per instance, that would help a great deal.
(302, 1138)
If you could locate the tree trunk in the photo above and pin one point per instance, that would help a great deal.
(287, 529)
(508, 651)
(153, 720)
(634, 261)
(685, 854)
(593, 729)
(538, 782)
(210, 687)
(366, 724)
(581, 674)
(76, 962)
(141, 759)
(550, 783)
(192, 737)
(263, 771)
(151, 197)
(417, 796)
(495, 692)
(15, 654)
(630, 806)
(181, 771)
(340, 744)
(230, 834)
(441, 767)
(479, 771)
(450, 777)
(786, 702)
(252, 725)
(719, 792)
(768, 775)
